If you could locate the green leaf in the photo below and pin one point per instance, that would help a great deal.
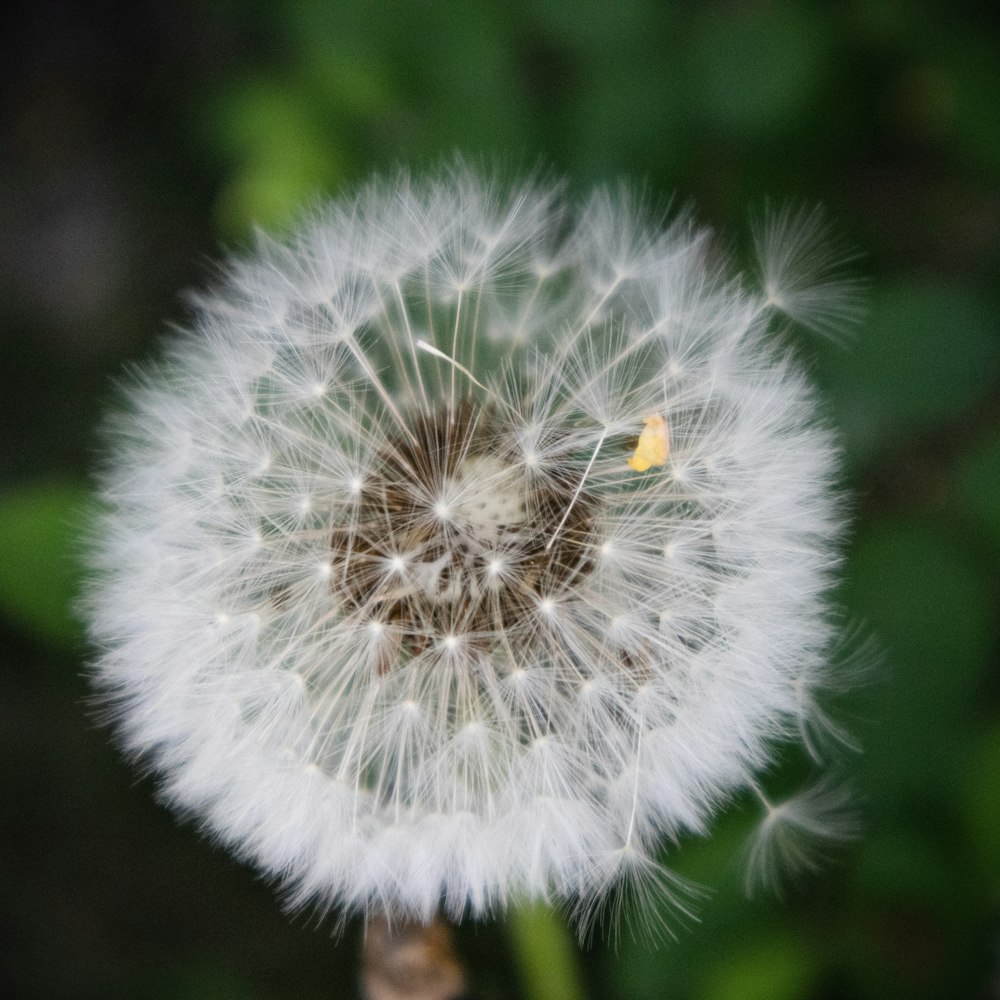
(40, 527)
(279, 148)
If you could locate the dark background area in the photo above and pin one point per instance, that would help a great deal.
(139, 139)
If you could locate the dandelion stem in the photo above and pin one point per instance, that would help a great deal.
(475, 328)
(430, 349)
(454, 350)
(362, 360)
(544, 954)
(577, 491)
(635, 787)
(764, 800)
(413, 349)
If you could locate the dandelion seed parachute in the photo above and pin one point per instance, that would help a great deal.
(469, 544)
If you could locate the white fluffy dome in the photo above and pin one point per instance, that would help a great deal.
(471, 543)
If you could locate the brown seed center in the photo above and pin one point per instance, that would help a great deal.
(455, 537)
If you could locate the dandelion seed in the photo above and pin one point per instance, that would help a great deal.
(381, 603)
(795, 834)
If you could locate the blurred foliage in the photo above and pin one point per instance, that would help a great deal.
(40, 530)
(140, 139)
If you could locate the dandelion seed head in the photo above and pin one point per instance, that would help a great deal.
(470, 544)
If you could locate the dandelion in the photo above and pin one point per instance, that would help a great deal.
(470, 545)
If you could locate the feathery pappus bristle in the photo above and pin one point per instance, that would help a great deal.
(795, 834)
(471, 544)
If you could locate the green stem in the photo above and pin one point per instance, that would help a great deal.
(545, 954)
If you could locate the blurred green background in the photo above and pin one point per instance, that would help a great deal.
(139, 137)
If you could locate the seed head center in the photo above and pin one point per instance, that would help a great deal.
(452, 535)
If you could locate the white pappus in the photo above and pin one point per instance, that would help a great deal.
(474, 542)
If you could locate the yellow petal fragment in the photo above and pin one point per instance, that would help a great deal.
(654, 444)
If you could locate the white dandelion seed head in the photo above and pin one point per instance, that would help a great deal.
(470, 544)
